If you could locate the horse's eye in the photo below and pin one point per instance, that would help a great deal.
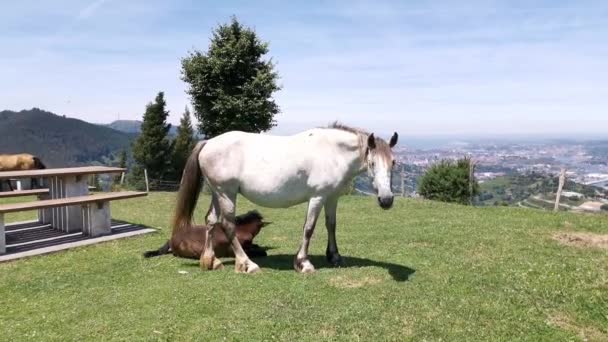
(373, 164)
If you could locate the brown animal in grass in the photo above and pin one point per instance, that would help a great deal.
(19, 162)
(190, 243)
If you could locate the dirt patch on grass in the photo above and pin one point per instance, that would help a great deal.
(344, 282)
(583, 240)
(586, 333)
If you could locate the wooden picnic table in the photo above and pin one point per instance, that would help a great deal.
(63, 183)
(66, 204)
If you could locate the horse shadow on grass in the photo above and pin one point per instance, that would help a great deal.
(284, 262)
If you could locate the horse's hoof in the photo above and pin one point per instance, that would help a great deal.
(335, 260)
(211, 263)
(246, 267)
(304, 266)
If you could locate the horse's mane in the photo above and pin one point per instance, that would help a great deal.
(249, 217)
(343, 127)
(362, 134)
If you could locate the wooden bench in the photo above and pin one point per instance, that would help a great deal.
(96, 218)
(17, 193)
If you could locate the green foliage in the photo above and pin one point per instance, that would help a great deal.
(59, 141)
(152, 149)
(231, 84)
(449, 181)
(604, 207)
(122, 161)
(183, 144)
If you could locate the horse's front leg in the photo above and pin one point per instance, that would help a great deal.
(242, 262)
(331, 253)
(301, 262)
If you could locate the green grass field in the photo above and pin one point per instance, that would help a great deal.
(421, 271)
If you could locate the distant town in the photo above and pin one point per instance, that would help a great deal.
(502, 166)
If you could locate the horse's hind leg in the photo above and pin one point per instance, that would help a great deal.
(242, 262)
(208, 261)
(301, 262)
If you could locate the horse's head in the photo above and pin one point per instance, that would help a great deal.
(251, 222)
(380, 164)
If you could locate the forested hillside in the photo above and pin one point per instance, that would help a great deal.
(57, 140)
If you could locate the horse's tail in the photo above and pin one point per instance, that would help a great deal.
(189, 189)
(38, 164)
(164, 249)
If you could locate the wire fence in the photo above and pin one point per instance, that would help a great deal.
(163, 185)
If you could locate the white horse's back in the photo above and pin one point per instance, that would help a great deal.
(280, 171)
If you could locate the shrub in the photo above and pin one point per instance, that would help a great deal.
(450, 181)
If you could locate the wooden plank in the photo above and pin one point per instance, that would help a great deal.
(101, 197)
(32, 192)
(69, 171)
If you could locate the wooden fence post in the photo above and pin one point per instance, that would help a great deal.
(402, 180)
(146, 176)
(562, 179)
(122, 178)
(471, 176)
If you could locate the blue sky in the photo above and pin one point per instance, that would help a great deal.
(421, 68)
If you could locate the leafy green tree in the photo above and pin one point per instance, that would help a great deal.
(152, 149)
(183, 144)
(231, 85)
(449, 181)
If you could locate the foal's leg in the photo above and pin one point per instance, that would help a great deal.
(331, 253)
(208, 261)
(301, 262)
(242, 262)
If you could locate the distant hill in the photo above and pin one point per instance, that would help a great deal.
(57, 140)
(133, 126)
(127, 126)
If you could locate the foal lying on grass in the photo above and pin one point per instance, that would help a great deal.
(190, 243)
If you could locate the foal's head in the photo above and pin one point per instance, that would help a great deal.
(380, 162)
(251, 222)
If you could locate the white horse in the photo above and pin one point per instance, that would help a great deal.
(279, 172)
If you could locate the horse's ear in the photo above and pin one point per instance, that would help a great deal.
(394, 139)
(371, 141)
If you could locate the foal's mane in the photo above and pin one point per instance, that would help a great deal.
(249, 217)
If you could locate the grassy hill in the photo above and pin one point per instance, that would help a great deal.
(515, 188)
(127, 126)
(57, 140)
(420, 271)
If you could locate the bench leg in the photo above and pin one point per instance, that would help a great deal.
(2, 236)
(98, 219)
(45, 215)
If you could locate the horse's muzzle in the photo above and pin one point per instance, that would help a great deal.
(385, 202)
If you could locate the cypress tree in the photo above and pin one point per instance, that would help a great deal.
(152, 149)
(183, 144)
